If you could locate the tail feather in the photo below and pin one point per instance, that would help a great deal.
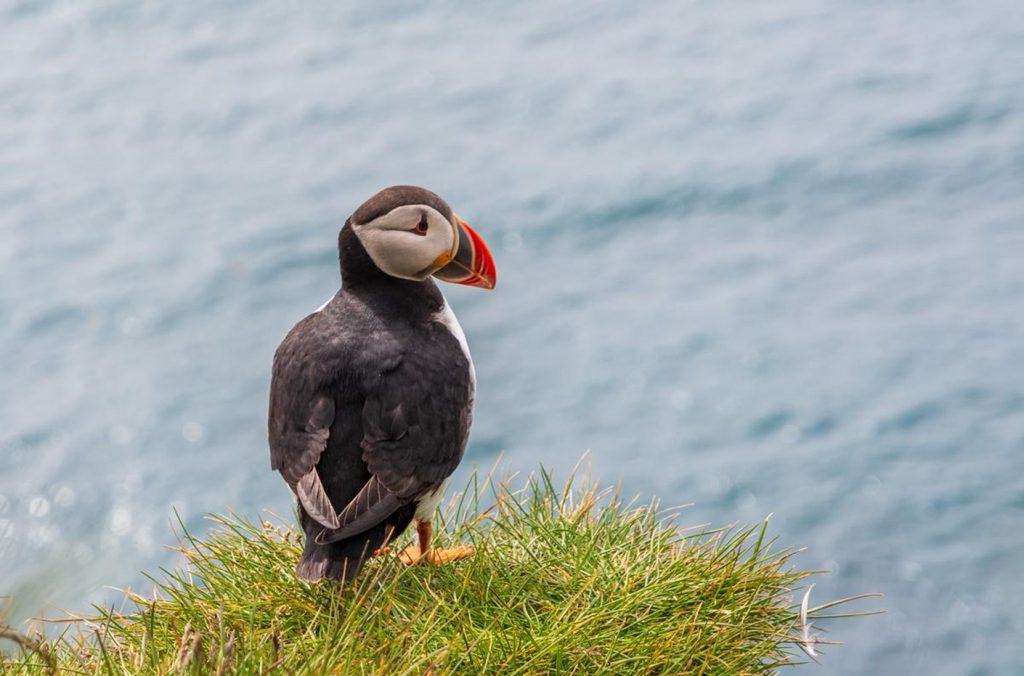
(319, 562)
(343, 560)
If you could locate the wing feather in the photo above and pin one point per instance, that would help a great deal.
(415, 421)
(374, 503)
(295, 451)
(315, 501)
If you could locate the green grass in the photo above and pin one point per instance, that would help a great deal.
(566, 579)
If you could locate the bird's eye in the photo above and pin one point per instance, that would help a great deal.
(422, 226)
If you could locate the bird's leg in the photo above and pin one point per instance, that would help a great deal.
(414, 554)
(424, 529)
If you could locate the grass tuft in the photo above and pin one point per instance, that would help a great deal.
(565, 579)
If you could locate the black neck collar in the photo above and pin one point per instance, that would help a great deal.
(360, 275)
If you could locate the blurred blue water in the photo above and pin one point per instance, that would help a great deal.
(761, 257)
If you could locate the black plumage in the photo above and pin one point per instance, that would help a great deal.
(370, 404)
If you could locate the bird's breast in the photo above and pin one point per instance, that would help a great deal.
(447, 318)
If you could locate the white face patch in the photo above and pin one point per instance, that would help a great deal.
(398, 245)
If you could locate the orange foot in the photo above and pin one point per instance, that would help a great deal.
(412, 555)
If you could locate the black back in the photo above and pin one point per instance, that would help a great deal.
(400, 387)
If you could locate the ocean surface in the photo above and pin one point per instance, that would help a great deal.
(765, 258)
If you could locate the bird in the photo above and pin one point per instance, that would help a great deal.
(371, 395)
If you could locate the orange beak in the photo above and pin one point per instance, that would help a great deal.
(472, 263)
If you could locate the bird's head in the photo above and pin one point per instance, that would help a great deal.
(411, 233)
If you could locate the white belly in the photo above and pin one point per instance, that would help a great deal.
(427, 505)
(447, 317)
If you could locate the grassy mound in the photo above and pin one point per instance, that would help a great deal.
(564, 580)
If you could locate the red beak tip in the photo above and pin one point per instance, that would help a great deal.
(484, 269)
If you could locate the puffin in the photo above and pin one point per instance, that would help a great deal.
(371, 395)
